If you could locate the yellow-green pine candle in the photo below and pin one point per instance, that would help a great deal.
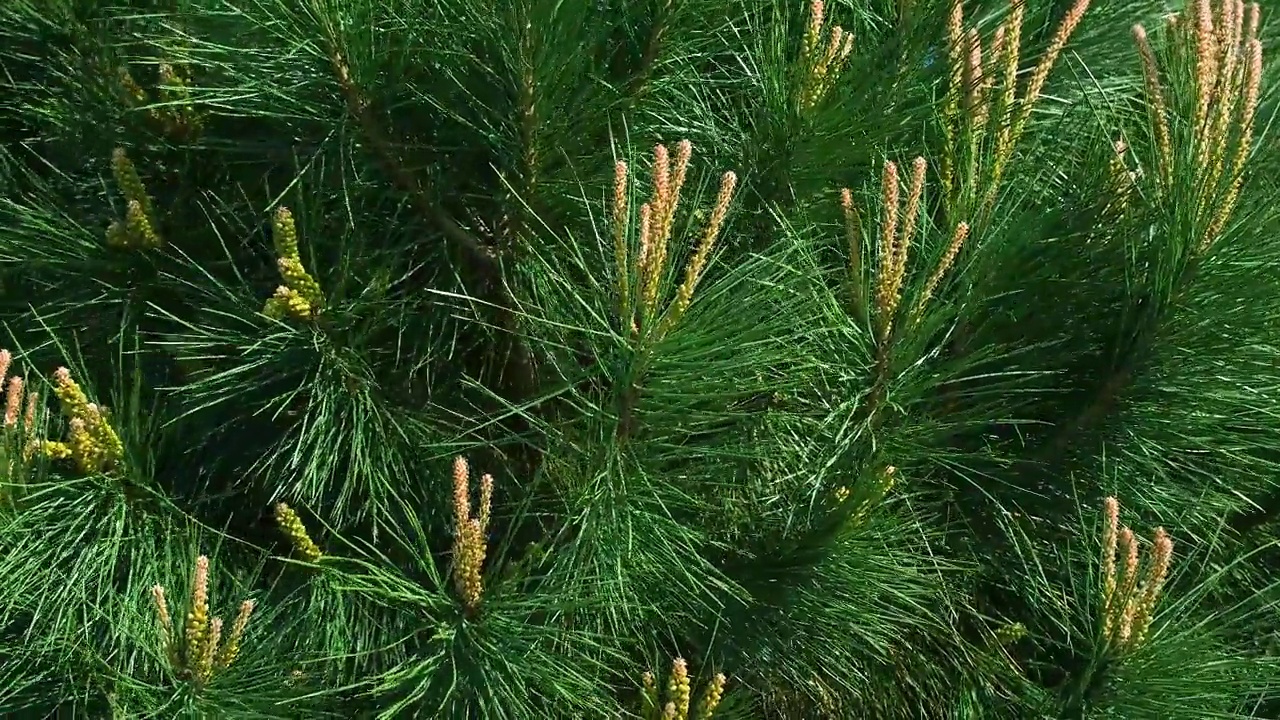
(297, 278)
(198, 616)
(55, 450)
(232, 649)
(127, 178)
(284, 233)
(291, 525)
(139, 226)
(73, 400)
(166, 626)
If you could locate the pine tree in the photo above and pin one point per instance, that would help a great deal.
(639, 358)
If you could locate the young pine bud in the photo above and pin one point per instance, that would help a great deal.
(1010, 633)
(678, 688)
(208, 653)
(649, 696)
(291, 525)
(711, 697)
(284, 233)
(13, 400)
(1110, 538)
(470, 541)
(300, 296)
(1157, 572)
(197, 628)
(300, 281)
(232, 649)
(138, 228)
(133, 93)
(73, 400)
(168, 642)
(620, 250)
(128, 180)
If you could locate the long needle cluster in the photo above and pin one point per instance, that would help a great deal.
(822, 56)
(657, 218)
(982, 104)
(92, 443)
(470, 540)
(299, 297)
(138, 227)
(679, 695)
(1130, 593)
(196, 654)
(1226, 64)
(876, 492)
(898, 227)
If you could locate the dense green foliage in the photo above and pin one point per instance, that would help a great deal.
(818, 411)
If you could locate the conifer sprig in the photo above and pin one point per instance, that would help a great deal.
(138, 228)
(983, 124)
(92, 443)
(898, 228)
(1130, 595)
(300, 298)
(199, 653)
(1225, 70)
(823, 54)
(679, 695)
(645, 314)
(471, 535)
(674, 498)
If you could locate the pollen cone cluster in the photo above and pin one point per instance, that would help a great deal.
(898, 228)
(1130, 592)
(171, 111)
(984, 114)
(470, 542)
(138, 228)
(92, 443)
(679, 696)
(641, 307)
(299, 297)
(1219, 48)
(291, 525)
(199, 653)
(822, 56)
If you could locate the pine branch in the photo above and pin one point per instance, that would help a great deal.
(520, 371)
